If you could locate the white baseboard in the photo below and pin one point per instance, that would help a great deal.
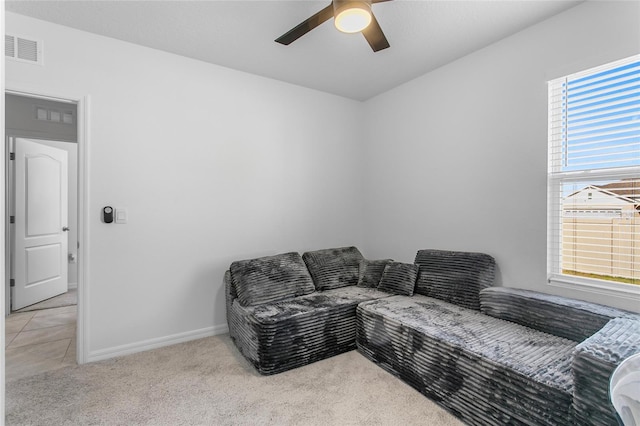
(71, 286)
(158, 342)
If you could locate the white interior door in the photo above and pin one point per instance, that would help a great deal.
(39, 233)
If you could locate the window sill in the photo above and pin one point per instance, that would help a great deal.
(623, 291)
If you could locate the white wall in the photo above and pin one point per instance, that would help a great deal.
(216, 165)
(72, 155)
(213, 165)
(457, 159)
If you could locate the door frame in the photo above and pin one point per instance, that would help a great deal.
(82, 101)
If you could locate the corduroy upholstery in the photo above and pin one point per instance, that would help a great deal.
(570, 318)
(399, 278)
(483, 369)
(333, 268)
(284, 333)
(453, 276)
(270, 278)
(371, 272)
(523, 359)
(491, 356)
(276, 337)
(594, 361)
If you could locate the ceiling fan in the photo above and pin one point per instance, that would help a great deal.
(351, 16)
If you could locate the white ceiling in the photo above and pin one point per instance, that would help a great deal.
(238, 34)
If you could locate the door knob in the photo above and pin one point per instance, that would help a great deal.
(65, 228)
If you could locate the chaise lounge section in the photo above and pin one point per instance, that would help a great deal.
(498, 355)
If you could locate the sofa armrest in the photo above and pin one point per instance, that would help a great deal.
(561, 316)
(594, 360)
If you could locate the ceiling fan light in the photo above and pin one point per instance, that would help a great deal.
(352, 17)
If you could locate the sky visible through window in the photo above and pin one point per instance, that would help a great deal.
(602, 120)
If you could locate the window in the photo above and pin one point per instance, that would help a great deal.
(594, 179)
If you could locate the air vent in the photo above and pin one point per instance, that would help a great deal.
(22, 49)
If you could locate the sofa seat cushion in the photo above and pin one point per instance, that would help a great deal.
(539, 356)
(279, 336)
(305, 307)
(459, 357)
(270, 278)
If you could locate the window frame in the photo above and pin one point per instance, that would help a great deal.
(555, 180)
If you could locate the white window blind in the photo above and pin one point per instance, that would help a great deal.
(594, 177)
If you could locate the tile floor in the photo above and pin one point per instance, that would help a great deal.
(39, 341)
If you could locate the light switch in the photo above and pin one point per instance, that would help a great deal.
(121, 215)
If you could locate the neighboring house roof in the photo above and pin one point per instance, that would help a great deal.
(626, 190)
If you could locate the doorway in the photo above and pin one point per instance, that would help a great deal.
(42, 234)
(42, 203)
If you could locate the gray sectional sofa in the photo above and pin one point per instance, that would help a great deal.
(281, 318)
(489, 355)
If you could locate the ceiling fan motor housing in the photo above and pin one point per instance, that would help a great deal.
(352, 16)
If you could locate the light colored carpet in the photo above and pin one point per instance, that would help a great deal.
(66, 299)
(207, 382)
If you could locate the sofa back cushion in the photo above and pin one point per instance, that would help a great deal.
(399, 278)
(333, 268)
(270, 279)
(454, 276)
(561, 316)
(370, 272)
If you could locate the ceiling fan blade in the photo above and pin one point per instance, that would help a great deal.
(306, 26)
(378, 1)
(374, 35)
